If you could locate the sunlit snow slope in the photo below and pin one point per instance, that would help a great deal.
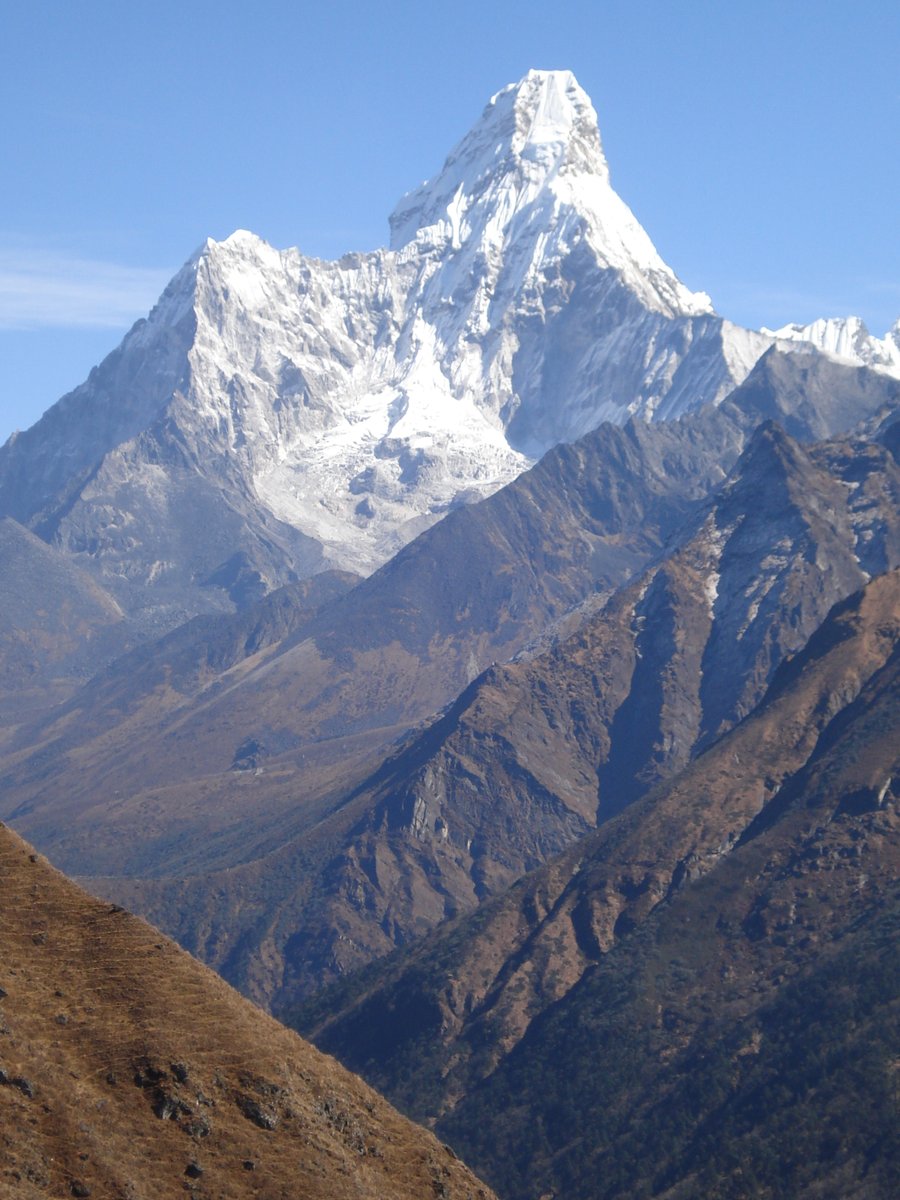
(848, 338)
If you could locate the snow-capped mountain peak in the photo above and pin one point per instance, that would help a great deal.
(528, 132)
(323, 413)
(533, 166)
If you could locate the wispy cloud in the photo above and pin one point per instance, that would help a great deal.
(788, 299)
(40, 288)
(885, 288)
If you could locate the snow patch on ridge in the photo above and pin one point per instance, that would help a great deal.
(848, 339)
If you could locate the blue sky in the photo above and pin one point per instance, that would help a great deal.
(756, 142)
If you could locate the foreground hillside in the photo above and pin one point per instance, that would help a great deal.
(700, 998)
(128, 1070)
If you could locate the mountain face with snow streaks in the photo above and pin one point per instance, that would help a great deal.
(566, 628)
(276, 414)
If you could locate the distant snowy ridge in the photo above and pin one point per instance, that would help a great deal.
(847, 338)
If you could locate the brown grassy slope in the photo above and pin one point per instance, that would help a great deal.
(129, 1070)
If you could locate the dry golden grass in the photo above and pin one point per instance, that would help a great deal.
(129, 1070)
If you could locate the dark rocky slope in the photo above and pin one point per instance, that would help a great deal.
(700, 997)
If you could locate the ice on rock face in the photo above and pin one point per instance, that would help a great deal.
(527, 132)
(519, 305)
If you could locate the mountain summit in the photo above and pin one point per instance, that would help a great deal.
(535, 160)
(277, 414)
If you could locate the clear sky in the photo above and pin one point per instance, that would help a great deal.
(758, 142)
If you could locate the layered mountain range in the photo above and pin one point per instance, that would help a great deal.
(242, 779)
(487, 632)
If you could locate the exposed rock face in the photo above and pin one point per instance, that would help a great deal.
(293, 414)
(734, 927)
(126, 1068)
(535, 753)
(614, 696)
